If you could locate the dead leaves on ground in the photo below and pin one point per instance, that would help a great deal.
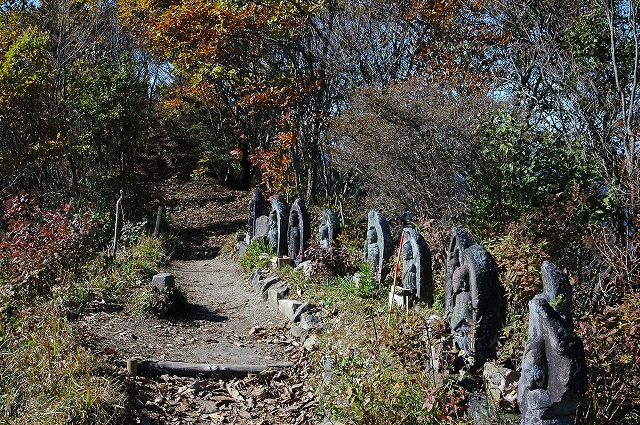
(270, 397)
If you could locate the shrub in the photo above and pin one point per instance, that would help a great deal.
(519, 256)
(336, 260)
(41, 247)
(612, 349)
(367, 285)
(122, 280)
(378, 375)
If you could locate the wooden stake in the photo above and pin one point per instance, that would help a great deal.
(156, 231)
(395, 276)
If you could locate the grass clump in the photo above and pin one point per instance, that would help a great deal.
(122, 280)
(251, 260)
(377, 370)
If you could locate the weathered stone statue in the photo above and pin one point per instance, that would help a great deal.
(299, 231)
(554, 371)
(257, 208)
(278, 223)
(378, 247)
(416, 266)
(459, 242)
(329, 228)
(474, 304)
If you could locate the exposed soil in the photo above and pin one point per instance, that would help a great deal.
(224, 320)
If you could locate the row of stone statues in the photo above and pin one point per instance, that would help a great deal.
(288, 231)
(553, 366)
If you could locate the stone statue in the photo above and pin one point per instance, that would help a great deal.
(554, 371)
(299, 231)
(378, 247)
(329, 228)
(474, 309)
(416, 266)
(257, 208)
(459, 242)
(278, 220)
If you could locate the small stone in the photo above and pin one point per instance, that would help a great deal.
(163, 281)
(257, 276)
(266, 284)
(501, 383)
(301, 309)
(299, 332)
(479, 409)
(311, 342)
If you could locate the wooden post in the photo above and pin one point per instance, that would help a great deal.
(132, 367)
(118, 211)
(156, 231)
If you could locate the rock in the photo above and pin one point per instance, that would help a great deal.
(311, 342)
(267, 283)
(299, 332)
(276, 293)
(501, 383)
(261, 227)
(304, 267)
(163, 282)
(479, 409)
(242, 248)
(308, 321)
(416, 266)
(299, 232)
(300, 310)
(257, 276)
(474, 302)
(257, 208)
(288, 308)
(329, 227)
(378, 246)
(278, 225)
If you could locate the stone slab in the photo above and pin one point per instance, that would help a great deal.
(288, 308)
(275, 294)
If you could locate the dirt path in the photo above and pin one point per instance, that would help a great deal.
(225, 320)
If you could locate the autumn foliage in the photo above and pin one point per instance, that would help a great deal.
(42, 248)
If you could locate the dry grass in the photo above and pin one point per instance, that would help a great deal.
(46, 377)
